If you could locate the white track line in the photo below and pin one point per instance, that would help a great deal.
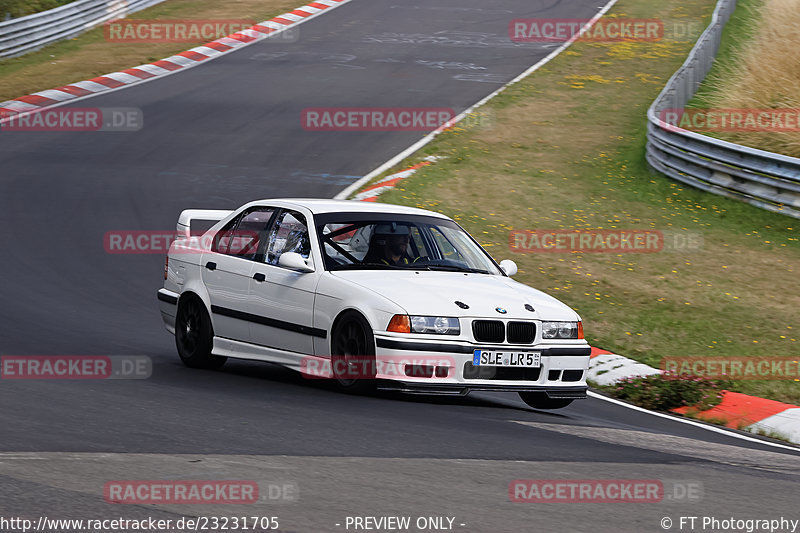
(429, 137)
(708, 427)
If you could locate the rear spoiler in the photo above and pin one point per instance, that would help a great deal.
(186, 217)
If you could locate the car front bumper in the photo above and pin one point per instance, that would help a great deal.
(562, 372)
(447, 389)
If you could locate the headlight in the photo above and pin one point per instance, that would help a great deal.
(440, 325)
(561, 330)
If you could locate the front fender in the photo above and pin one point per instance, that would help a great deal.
(337, 295)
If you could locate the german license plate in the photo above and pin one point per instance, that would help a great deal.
(513, 358)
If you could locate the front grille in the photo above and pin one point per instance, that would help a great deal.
(500, 373)
(488, 331)
(521, 332)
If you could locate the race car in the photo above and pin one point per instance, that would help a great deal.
(370, 296)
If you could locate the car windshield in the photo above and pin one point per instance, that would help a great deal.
(359, 241)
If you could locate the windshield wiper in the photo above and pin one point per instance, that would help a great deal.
(356, 266)
(453, 268)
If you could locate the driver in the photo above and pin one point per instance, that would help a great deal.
(390, 245)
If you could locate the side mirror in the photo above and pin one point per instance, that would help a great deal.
(508, 266)
(294, 261)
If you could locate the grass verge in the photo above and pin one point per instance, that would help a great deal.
(89, 55)
(662, 392)
(20, 8)
(566, 151)
(753, 71)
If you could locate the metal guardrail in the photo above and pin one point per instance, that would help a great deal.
(21, 35)
(765, 179)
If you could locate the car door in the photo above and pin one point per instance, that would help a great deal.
(227, 270)
(284, 298)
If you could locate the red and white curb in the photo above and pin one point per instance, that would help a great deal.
(371, 193)
(606, 368)
(169, 65)
(739, 411)
(785, 423)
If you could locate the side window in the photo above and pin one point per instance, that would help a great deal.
(245, 240)
(241, 236)
(222, 239)
(288, 234)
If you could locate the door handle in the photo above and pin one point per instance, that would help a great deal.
(259, 277)
(211, 265)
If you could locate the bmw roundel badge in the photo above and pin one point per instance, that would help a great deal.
(500, 310)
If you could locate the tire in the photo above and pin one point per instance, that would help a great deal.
(194, 336)
(353, 354)
(540, 400)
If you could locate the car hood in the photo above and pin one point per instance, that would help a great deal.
(435, 293)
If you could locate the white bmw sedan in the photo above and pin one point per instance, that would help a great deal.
(369, 295)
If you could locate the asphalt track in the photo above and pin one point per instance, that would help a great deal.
(227, 132)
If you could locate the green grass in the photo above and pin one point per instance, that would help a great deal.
(566, 151)
(737, 33)
(20, 8)
(754, 71)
